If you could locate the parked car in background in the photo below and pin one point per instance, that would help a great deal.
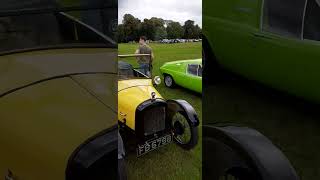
(275, 42)
(57, 93)
(185, 73)
(176, 41)
(169, 41)
(164, 41)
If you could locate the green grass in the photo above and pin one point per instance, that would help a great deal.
(292, 125)
(170, 162)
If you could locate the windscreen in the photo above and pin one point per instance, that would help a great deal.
(125, 70)
(31, 5)
(50, 23)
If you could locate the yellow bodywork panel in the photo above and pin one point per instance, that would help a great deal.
(102, 86)
(131, 93)
(43, 124)
(51, 102)
(19, 69)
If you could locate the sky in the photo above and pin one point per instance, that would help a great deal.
(176, 10)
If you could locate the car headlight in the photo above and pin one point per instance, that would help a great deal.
(157, 80)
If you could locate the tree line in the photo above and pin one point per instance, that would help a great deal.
(156, 29)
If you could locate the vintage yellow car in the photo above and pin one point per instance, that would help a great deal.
(58, 81)
(149, 119)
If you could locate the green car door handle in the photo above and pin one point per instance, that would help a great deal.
(261, 36)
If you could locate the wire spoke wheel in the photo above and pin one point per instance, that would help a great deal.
(182, 129)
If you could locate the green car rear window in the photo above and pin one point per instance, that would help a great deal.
(312, 23)
(284, 17)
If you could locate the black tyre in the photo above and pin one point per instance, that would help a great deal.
(168, 81)
(223, 163)
(241, 153)
(185, 134)
(122, 171)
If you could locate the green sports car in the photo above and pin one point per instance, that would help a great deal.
(185, 73)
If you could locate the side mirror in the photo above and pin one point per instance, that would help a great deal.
(157, 80)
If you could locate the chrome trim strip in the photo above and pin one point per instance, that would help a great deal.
(303, 19)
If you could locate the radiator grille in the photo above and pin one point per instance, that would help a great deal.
(154, 120)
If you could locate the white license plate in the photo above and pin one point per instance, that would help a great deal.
(153, 144)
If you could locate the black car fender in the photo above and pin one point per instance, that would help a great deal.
(121, 150)
(91, 151)
(174, 106)
(122, 172)
(265, 157)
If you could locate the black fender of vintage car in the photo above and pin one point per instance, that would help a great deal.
(263, 156)
(121, 150)
(182, 106)
(91, 151)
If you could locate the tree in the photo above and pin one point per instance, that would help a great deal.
(157, 22)
(189, 29)
(198, 32)
(153, 28)
(131, 27)
(121, 34)
(147, 29)
(174, 30)
(160, 33)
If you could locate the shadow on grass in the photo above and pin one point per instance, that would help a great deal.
(292, 124)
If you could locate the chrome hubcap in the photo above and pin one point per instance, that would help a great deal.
(168, 81)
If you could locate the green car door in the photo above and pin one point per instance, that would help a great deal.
(229, 26)
(289, 47)
(263, 42)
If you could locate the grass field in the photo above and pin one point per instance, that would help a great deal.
(290, 123)
(170, 162)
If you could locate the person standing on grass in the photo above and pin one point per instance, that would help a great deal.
(145, 62)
